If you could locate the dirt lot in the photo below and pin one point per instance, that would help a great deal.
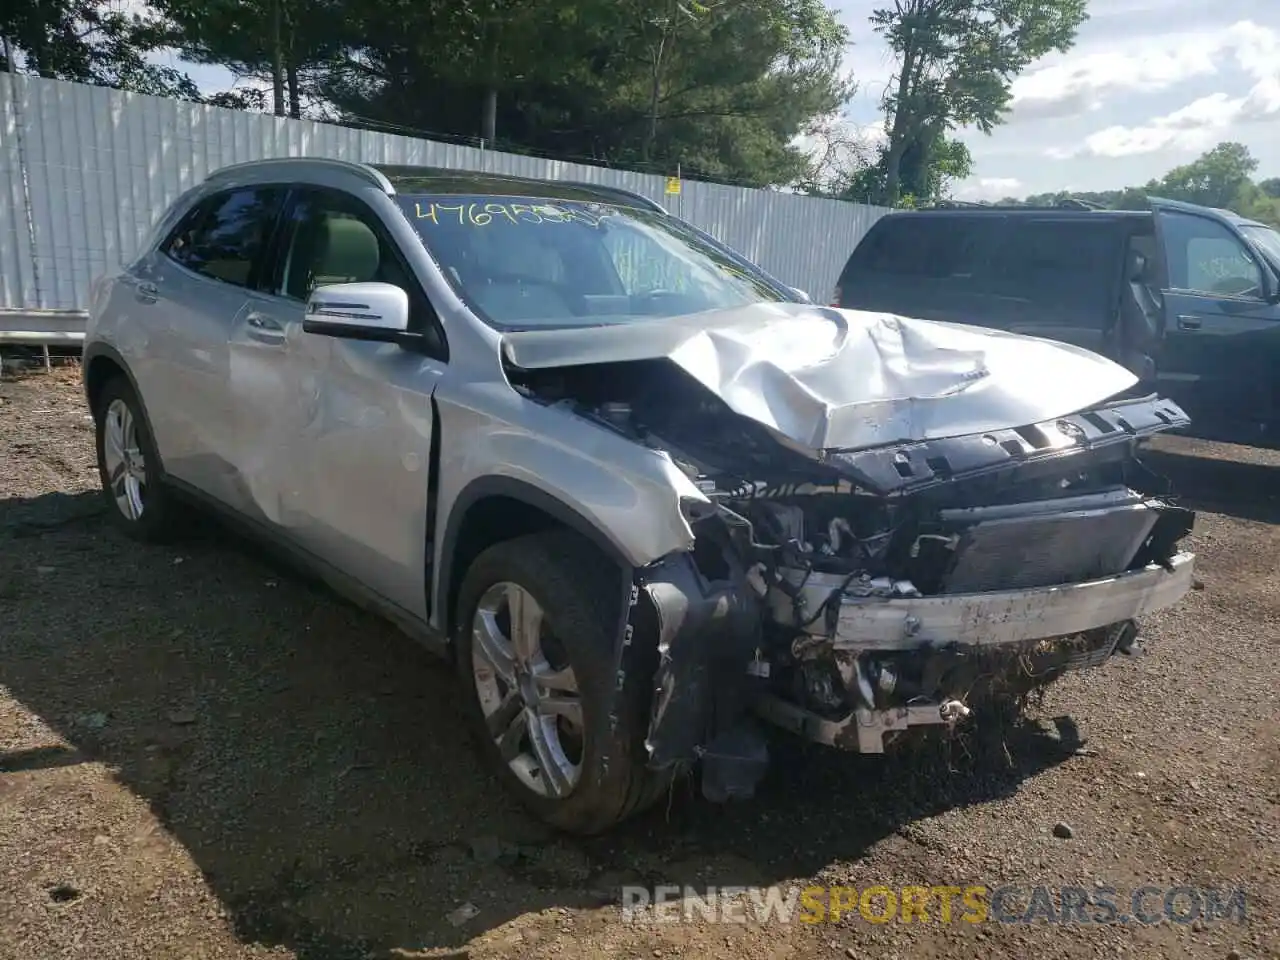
(204, 755)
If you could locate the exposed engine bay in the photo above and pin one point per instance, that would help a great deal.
(849, 595)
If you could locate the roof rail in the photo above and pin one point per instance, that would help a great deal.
(1078, 204)
(350, 166)
(617, 192)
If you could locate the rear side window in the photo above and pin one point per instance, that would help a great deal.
(931, 248)
(1060, 261)
(226, 235)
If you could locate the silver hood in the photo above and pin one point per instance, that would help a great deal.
(847, 379)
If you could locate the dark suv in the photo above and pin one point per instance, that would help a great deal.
(1187, 297)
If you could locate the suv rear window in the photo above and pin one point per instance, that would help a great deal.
(1063, 261)
(925, 248)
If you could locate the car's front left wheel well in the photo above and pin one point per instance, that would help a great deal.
(494, 519)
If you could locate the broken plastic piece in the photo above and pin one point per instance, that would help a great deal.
(734, 763)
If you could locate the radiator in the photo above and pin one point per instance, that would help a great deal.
(1046, 542)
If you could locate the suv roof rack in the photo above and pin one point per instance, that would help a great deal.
(350, 166)
(620, 192)
(1066, 203)
(1079, 204)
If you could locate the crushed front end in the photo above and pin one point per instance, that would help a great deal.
(983, 568)
(849, 596)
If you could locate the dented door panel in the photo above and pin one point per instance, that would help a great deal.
(360, 481)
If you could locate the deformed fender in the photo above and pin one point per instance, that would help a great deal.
(627, 583)
(707, 632)
(508, 487)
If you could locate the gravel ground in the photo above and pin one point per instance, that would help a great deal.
(204, 755)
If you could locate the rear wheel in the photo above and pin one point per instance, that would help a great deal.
(129, 467)
(537, 618)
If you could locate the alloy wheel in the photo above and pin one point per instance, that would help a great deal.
(527, 690)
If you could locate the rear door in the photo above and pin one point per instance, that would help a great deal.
(1222, 332)
(191, 291)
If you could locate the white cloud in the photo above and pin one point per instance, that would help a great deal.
(988, 188)
(1079, 84)
(1196, 126)
(1205, 120)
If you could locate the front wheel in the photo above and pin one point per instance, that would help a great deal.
(537, 618)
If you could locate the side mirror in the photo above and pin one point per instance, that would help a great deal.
(802, 295)
(359, 311)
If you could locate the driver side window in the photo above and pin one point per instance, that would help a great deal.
(1205, 257)
(330, 238)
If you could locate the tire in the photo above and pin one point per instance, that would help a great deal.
(145, 511)
(577, 596)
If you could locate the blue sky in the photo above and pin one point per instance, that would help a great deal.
(1149, 84)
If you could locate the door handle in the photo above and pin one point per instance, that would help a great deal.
(1188, 323)
(263, 326)
(148, 292)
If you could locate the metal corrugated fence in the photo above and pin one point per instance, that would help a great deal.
(85, 171)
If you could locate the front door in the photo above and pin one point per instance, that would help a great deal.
(336, 434)
(1221, 330)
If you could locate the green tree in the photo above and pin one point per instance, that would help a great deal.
(956, 61)
(721, 89)
(1223, 178)
(926, 171)
(283, 41)
(1215, 179)
(1220, 178)
(89, 42)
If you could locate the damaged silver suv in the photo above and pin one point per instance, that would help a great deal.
(641, 494)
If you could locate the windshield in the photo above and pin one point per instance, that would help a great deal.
(1267, 240)
(528, 262)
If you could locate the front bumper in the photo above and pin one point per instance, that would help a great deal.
(866, 624)
(870, 625)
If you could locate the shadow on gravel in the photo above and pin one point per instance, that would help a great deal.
(310, 758)
(1249, 491)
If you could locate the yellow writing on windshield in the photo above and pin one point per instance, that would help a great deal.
(483, 214)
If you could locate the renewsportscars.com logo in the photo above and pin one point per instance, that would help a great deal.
(880, 904)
